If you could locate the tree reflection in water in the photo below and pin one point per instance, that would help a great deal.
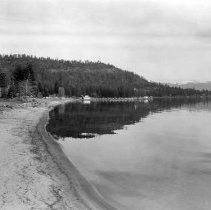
(79, 120)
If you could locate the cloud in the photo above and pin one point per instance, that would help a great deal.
(116, 18)
(151, 37)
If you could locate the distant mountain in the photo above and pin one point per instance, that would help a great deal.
(194, 84)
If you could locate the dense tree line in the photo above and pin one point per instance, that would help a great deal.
(80, 78)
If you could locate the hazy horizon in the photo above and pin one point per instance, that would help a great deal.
(161, 40)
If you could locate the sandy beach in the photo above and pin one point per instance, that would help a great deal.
(35, 173)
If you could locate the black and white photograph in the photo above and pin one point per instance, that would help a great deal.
(105, 105)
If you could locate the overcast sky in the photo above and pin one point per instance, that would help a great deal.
(162, 40)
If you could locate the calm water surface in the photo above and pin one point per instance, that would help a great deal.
(154, 156)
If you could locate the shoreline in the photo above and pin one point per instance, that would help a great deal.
(84, 191)
(35, 173)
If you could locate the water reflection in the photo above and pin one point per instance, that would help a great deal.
(79, 120)
(162, 162)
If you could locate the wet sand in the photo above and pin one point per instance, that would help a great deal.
(35, 173)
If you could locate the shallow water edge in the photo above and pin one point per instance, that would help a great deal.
(84, 191)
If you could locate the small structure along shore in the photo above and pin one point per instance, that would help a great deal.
(141, 99)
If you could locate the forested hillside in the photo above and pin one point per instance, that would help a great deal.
(80, 78)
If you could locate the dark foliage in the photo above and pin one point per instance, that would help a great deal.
(23, 73)
(92, 78)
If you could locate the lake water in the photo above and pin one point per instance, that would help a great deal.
(153, 156)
